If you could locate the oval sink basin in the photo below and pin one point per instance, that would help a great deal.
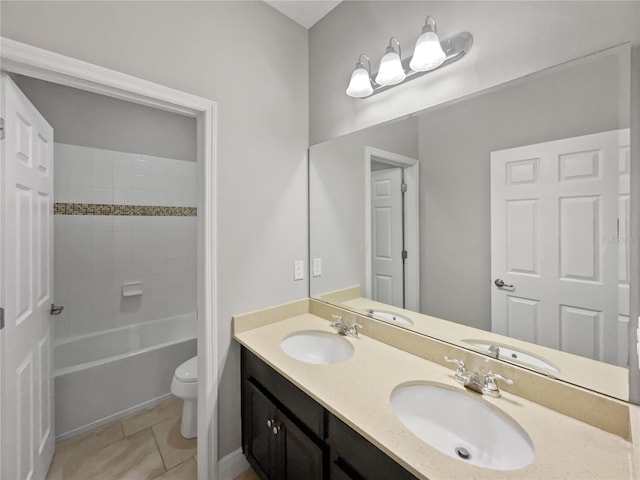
(390, 317)
(319, 348)
(515, 355)
(462, 426)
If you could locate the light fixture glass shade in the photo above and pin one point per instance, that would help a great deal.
(428, 53)
(360, 83)
(391, 71)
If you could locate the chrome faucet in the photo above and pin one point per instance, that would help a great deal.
(494, 351)
(471, 380)
(347, 329)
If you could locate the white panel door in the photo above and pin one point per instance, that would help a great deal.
(387, 242)
(27, 288)
(555, 239)
(624, 240)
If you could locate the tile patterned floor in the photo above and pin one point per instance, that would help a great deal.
(145, 446)
(248, 475)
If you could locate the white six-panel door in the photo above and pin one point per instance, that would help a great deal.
(624, 239)
(27, 288)
(386, 247)
(555, 208)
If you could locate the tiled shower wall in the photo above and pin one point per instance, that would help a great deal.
(95, 254)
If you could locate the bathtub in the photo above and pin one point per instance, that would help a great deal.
(108, 375)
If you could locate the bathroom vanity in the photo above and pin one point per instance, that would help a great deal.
(336, 421)
(288, 435)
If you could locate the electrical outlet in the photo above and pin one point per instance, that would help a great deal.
(298, 270)
(317, 267)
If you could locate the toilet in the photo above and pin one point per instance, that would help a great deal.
(185, 386)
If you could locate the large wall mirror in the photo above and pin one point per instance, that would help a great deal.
(497, 222)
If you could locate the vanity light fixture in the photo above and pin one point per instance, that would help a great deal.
(360, 83)
(391, 70)
(429, 54)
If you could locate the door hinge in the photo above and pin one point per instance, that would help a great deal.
(403, 188)
(1, 128)
(404, 254)
(1, 318)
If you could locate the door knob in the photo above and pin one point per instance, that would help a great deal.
(55, 309)
(500, 283)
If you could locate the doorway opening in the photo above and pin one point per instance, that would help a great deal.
(33, 62)
(392, 228)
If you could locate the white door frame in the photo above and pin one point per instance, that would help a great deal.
(411, 224)
(23, 59)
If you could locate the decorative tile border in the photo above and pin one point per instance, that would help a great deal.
(122, 210)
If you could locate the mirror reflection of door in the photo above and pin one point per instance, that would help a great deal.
(392, 228)
(387, 235)
(557, 212)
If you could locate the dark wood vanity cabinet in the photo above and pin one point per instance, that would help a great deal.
(279, 449)
(286, 435)
(355, 458)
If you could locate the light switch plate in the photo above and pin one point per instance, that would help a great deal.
(317, 267)
(298, 270)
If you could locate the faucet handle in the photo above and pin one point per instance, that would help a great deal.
(338, 319)
(461, 367)
(490, 387)
(492, 376)
(352, 328)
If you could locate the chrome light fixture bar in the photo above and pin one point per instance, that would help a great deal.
(454, 49)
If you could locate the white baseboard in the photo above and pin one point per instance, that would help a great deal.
(112, 418)
(232, 465)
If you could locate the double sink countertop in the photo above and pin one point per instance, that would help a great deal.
(358, 392)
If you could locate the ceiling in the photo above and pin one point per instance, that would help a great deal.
(304, 12)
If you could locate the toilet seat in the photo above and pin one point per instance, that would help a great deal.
(188, 371)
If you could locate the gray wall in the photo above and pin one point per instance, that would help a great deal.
(456, 142)
(253, 61)
(336, 200)
(511, 39)
(83, 118)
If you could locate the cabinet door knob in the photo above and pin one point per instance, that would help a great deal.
(269, 423)
(275, 430)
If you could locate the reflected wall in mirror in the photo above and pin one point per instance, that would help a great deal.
(497, 222)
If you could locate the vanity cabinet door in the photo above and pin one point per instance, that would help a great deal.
(275, 447)
(302, 456)
(261, 445)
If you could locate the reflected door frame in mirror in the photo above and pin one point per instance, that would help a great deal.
(411, 222)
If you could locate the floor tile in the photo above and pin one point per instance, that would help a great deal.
(248, 475)
(55, 469)
(83, 445)
(92, 441)
(174, 448)
(187, 470)
(150, 417)
(133, 458)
